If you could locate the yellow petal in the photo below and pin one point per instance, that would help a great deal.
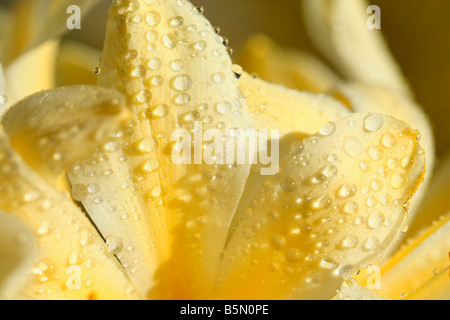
(76, 64)
(18, 252)
(277, 107)
(31, 29)
(339, 29)
(31, 72)
(49, 127)
(436, 288)
(75, 262)
(2, 90)
(174, 70)
(435, 200)
(295, 69)
(336, 206)
(350, 290)
(422, 259)
(365, 98)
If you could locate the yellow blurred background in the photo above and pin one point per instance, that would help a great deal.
(417, 32)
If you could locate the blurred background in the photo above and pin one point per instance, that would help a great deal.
(417, 31)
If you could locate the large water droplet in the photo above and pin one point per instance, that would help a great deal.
(373, 122)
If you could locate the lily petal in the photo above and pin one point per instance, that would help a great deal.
(338, 28)
(422, 259)
(293, 68)
(48, 128)
(436, 288)
(435, 200)
(31, 29)
(18, 255)
(175, 71)
(2, 90)
(75, 262)
(76, 64)
(277, 107)
(367, 98)
(350, 290)
(336, 206)
(20, 82)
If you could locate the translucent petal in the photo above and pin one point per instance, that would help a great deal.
(337, 204)
(364, 98)
(277, 107)
(2, 90)
(293, 68)
(435, 199)
(177, 74)
(31, 72)
(76, 64)
(29, 27)
(339, 29)
(18, 252)
(350, 290)
(75, 262)
(436, 288)
(49, 127)
(417, 262)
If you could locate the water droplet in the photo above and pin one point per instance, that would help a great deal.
(350, 242)
(154, 64)
(388, 141)
(350, 208)
(182, 99)
(288, 185)
(160, 111)
(218, 78)
(79, 192)
(373, 122)
(93, 188)
(223, 108)
(114, 245)
(292, 255)
(152, 36)
(375, 153)
(346, 191)
(169, 40)
(353, 147)
(200, 45)
(177, 65)
(176, 21)
(278, 242)
(398, 180)
(153, 18)
(181, 83)
(328, 129)
(375, 220)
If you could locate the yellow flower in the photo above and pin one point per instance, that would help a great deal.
(159, 230)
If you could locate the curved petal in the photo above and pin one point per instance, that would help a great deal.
(277, 107)
(295, 69)
(20, 82)
(339, 30)
(436, 288)
(76, 64)
(31, 29)
(338, 203)
(18, 255)
(435, 200)
(49, 127)
(177, 75)
(75, 262)
(417, 262)
(365, 98)
(350, 290)
(2, 90)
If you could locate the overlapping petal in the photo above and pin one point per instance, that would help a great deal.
(74, 262)
(18, 255)
(336, 206)
(175, 71)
